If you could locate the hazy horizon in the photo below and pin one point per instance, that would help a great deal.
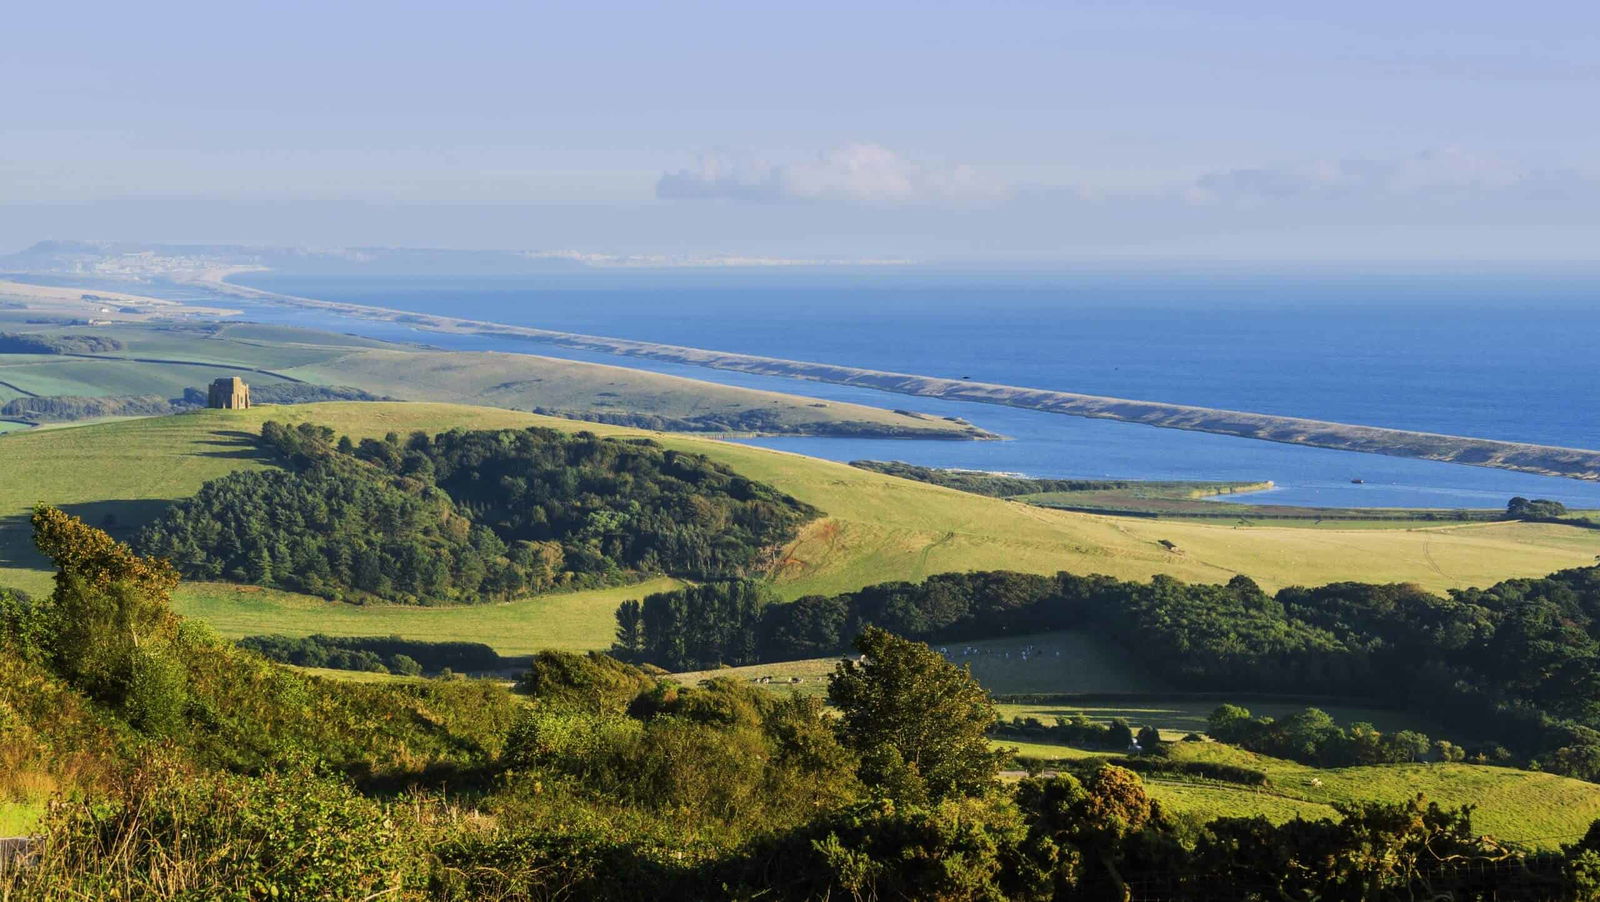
(1007, 132)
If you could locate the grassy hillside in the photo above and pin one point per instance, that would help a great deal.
(1530, 809)
(1516, 805)
(57, 375)
(879, 528)
(163, 359)
(524, 381)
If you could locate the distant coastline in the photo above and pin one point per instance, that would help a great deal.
(1543, 460)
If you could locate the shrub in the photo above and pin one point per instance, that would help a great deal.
(173, 834)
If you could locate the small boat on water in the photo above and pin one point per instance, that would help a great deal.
(1359, 481)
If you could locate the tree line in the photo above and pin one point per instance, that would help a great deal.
(378, 654)
(994, 485)
(30, 343)
(762, 421)
(465, 517)
(1516, 664)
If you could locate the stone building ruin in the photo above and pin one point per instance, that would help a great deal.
(229, 394)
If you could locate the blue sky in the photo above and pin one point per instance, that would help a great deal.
(1239, 130)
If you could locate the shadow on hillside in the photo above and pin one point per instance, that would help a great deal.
(16, 544)
(236, 445)
(121, 519)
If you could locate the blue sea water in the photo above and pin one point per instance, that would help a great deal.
(1502, 355)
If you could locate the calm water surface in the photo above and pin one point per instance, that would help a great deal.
(1502, 356)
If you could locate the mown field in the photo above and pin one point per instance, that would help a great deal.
(878, 528)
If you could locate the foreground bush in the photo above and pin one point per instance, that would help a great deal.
(171, 834)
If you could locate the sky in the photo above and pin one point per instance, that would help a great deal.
(1423, 130)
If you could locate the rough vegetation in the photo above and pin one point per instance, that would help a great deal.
(603, 782)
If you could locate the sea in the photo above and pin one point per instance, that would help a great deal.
(1506, 354)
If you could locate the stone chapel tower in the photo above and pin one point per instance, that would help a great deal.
(229, 394)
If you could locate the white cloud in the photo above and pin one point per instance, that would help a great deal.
(853, 173)
(1450, 171)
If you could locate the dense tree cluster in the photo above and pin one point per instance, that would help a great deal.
(378, 654)
(610, 503)
(693, 627)
(471, 516)
(1520, 508)
(1516, 664)
(1312, 737)
(29, 343)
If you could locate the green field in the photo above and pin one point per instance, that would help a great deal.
(522, 381)
(878, 527)
(172, 357)
(1516, 805)
(808, 677)
(56, 375)
(1044, 751)
(575, 621)
(1205, 802)
(1523, 807)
